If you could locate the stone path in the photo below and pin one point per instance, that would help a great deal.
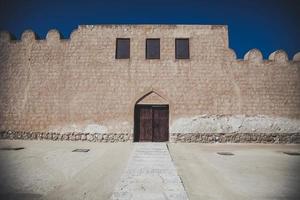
(150, 175)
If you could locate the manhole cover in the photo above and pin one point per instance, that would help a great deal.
(292, 153)
(11, 148)
(225, 153)
(80, 150)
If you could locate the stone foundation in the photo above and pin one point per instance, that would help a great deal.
(271, 138)
(91, 137)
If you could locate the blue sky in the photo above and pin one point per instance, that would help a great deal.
(264, 24)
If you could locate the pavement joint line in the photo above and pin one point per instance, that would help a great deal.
(176, 169)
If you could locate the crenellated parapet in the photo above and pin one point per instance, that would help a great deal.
(255, 56)
(5, 37)
(297, 57)
(54, 37)
(279, 56)
(29, 36)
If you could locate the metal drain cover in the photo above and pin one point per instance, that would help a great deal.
(291, 153)
(81, 150)
(12, 148)
(225, 153)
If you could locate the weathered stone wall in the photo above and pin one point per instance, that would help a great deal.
(77, 85)
(207, 137)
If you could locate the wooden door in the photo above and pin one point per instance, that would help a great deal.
(160, 123)
(151, 123)
(146, 124)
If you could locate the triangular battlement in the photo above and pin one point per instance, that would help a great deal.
(152, 98)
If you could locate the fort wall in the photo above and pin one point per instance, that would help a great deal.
(77, 86)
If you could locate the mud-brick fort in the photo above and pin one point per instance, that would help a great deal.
(177, 83)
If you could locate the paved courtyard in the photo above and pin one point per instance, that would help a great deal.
(255, 171)
(50, 170)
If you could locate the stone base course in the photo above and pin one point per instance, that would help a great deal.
(91, 137)
(272, 138)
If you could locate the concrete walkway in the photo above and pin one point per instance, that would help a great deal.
(150, 175)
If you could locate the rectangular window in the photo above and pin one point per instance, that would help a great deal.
(182, 48)
(153, 48)
(123, 48)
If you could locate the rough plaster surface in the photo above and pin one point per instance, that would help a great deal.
(91, 128)
(235, 124)
(111, 127)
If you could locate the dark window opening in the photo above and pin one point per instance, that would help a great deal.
(153, 48)
(182, 48)
(123, 48)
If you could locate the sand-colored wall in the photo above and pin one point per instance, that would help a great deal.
(78, 85)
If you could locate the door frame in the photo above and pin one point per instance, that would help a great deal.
(136, 131)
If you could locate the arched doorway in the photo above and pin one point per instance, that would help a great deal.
(151, 119)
